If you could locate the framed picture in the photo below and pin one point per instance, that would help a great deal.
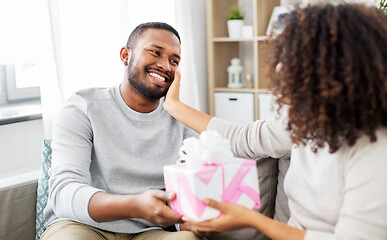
(277, 19)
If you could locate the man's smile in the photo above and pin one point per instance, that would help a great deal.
(159, 78)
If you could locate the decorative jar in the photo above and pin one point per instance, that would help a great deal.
(235, 74)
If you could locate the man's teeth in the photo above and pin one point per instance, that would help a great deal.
(155, 75)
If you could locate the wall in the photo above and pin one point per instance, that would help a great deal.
(20, 147)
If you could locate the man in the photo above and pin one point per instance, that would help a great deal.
(109, 147)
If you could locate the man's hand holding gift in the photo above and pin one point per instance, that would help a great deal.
(153, 208)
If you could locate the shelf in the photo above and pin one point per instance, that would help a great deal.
(227, 39)
(262, 38)
(246, 90)
(243, 90)
(251, 51)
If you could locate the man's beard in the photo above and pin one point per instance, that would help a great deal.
(140, 86)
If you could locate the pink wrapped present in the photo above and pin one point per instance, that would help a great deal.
(210, 171)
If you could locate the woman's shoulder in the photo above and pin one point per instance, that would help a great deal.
(364, 144)
(366, 155)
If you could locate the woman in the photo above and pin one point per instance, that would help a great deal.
(328, 69)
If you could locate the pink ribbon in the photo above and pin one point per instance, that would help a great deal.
(231, 194)
(237, 187)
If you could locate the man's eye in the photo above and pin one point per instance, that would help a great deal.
(174, 62)
(154, 52)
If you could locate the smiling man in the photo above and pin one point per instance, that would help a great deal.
(152, 61)
(110, 144)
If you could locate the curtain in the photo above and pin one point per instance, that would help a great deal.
(191, 24)
(51, 91)
(86, 41)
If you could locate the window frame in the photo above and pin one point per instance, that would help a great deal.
(17, 104)
(13, 92)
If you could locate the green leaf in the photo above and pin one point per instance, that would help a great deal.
(235, 14)
(383, 5)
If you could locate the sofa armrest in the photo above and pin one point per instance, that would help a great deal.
(18, 211)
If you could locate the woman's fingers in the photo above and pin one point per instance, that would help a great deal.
(177, 75)
(175, 86)
(174, 89)
(214, 204)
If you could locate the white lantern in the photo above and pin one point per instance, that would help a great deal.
(235, 74)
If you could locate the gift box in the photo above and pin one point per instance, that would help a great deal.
(208, 169)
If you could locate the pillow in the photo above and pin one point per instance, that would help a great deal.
(42, 192)
(282, 212)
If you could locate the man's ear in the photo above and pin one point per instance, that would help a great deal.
(124, 54)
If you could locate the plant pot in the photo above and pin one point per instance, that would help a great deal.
(235, 28)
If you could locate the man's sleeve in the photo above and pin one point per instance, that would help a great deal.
(72, 144)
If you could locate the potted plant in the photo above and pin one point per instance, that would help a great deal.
(383, 5)
(235, 23)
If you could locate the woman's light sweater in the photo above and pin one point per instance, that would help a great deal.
(341, 195)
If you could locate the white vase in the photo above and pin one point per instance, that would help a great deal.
(235, 28)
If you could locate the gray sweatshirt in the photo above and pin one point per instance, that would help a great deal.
(100, 144)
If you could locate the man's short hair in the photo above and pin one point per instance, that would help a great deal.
(136, 33)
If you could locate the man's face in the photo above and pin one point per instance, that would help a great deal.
(153, 61)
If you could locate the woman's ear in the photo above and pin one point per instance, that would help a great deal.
(124, 55)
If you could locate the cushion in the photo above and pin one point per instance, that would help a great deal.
(42, 192)
(282, 212)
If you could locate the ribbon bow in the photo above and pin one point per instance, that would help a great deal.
(210, 148)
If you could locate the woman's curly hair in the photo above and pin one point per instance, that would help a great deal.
(329, 66)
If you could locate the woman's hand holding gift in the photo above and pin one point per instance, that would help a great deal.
(233, 217)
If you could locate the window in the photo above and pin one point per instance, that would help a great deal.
(24, 28)
(21, 81)
(20, 93)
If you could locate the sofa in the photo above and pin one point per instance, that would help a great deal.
(18, 210)
(18, 204)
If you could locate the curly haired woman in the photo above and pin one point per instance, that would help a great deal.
(328, 69)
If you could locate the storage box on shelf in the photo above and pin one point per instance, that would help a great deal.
(221, 49)
(233, 106)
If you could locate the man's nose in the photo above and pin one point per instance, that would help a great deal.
(163, 63)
